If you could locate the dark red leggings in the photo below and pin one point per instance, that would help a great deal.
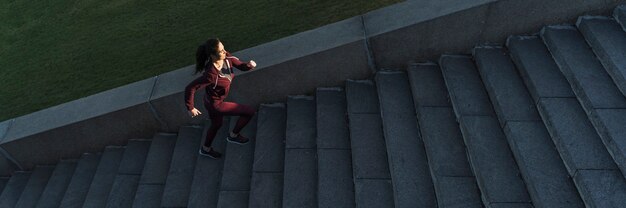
(217, 112)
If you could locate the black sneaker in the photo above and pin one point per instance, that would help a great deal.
(211, 153)
(237, 140)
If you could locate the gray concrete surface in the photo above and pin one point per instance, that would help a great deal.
(123, 191)
(35, 186)
(134, 157)
(148, 195)
(620, 15)
(604, 188)
(455, 26)
(589, 80)
(332, 126)
(373, 193)
(427, 85)
(578, 143)
(182, 166)
(537, 68)
(465, 86)
(408, 165)
(300, 178)
(497, 173)
(610, 124)
(81, 180)
(335, 183)
(205, 186)
(158, 160)
(362, 97)
(86, 125)
(233, 199)
(443, 142)
(301, 122)
(547, 179)
(57, 184)
(269, 153)
(237, 170)
(105, 176)
(369, 154)
(508, 94)
(14, 188)
(266, 190)
(457, 192)
(608, 42)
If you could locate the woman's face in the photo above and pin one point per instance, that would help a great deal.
(221, 52)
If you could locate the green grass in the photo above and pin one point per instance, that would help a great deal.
(53, 52)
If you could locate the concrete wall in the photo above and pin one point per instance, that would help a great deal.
(353, 48)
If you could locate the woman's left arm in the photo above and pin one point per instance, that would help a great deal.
(242, 65)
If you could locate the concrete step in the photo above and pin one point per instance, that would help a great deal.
(490, 157)
(332, 127)
(57, 184)
(266, 186)
(373, 193)
(427, 86)
(369, 153)
(592, 85)
(335, 186)
(300, 176)
(546, 177)
(235, 182)
(608, 41)
(148, 195)
(81, 180)
(588, 79)
(105, 176)
(182, 167)
(620, 15)
(14, 188)
(158, 159)
(465, 87)
(124, 187)
(506, 90)
(123, 191)
(154, 174)
(541, 166)
(3, 183)
(576, 141)
(537, 68)
(439, 130)
(413, 186)
(233, 199)
(266, 190)
(335, 182)
(35, 186)
(301, 127)
(205, 186)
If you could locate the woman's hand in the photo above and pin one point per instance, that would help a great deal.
(251, 64)
(194, 112)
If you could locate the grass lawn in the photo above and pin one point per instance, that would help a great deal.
(53, 52)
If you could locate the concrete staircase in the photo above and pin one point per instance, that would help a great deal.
(539, 122)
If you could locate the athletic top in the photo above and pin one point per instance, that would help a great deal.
(215, 82)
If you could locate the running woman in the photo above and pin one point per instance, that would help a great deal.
(216, 65)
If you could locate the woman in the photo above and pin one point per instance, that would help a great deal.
(216, 65)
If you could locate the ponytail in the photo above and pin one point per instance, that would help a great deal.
(201, 58)
(203, 53)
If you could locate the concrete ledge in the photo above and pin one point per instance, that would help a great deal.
(84, 125)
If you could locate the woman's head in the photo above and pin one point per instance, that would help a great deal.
(211, 50)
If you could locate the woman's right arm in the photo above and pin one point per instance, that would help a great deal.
(191, 89)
